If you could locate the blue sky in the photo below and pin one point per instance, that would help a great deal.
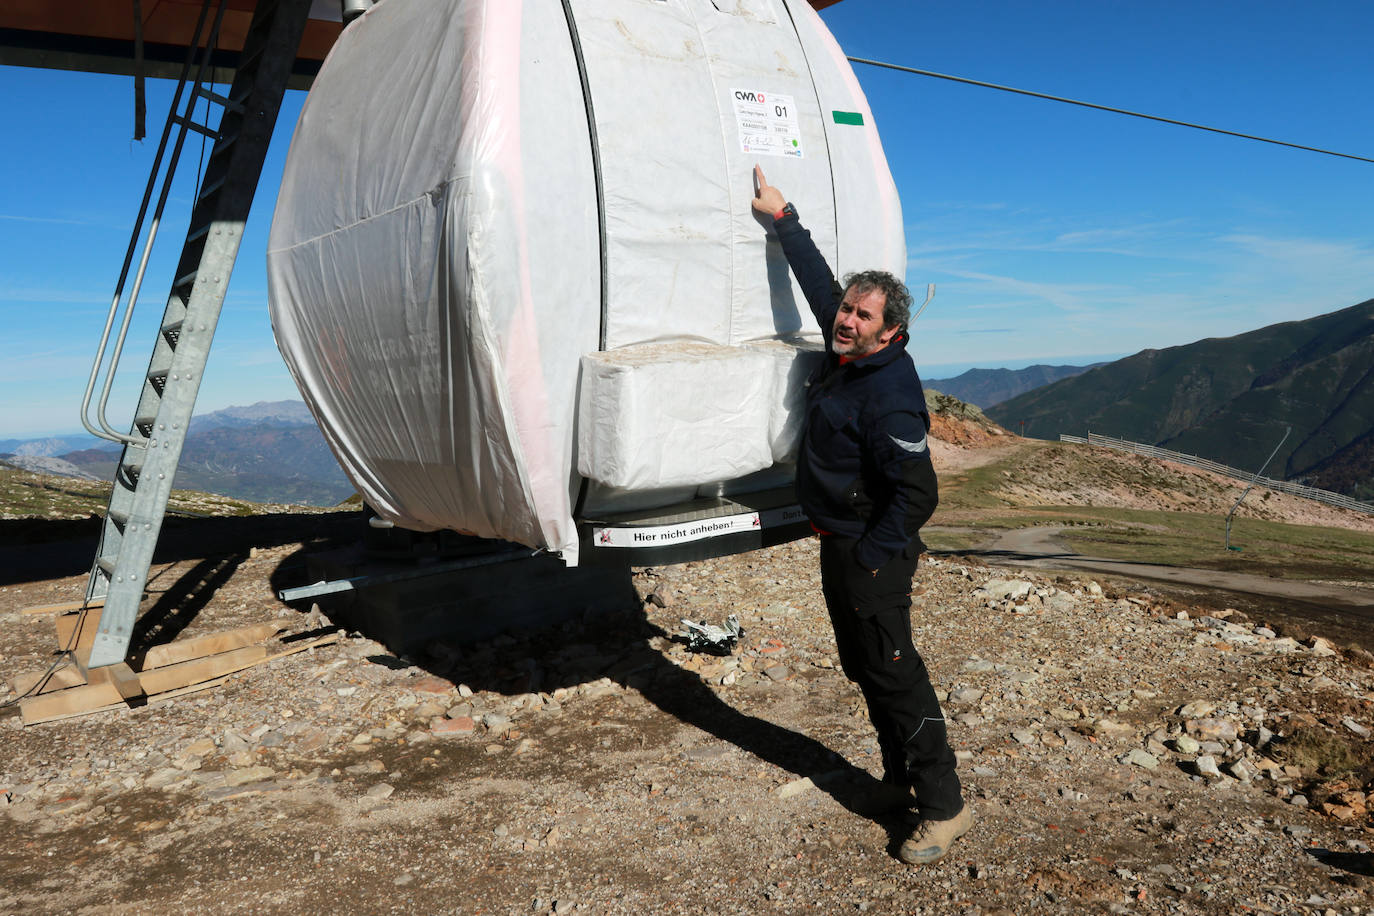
(1054, 233)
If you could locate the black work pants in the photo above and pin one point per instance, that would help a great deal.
(871, 615)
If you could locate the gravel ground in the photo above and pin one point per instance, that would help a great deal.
(1124, 753)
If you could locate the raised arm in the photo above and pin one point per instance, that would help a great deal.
(808, 264)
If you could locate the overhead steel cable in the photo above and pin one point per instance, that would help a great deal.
(1134, 114)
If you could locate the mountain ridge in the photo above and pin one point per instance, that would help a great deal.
(1229, 399)
(985, 388)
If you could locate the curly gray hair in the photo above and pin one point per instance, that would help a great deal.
(897, 299)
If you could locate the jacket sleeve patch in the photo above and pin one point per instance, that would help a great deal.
(916, 448)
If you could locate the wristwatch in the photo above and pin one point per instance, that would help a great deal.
(787, 210)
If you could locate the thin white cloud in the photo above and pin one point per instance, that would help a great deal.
(964, 205)
(73, 296)
(12, 217)
(1068, 297)
(265, 356)
(1145, 233)
(1308, 257)
(1153, 240)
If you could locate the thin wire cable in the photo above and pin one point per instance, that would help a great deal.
(1134, 114)
(64, 659)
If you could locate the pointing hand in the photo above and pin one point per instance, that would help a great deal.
(767, 199)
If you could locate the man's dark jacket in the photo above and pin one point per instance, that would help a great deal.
(864, 468)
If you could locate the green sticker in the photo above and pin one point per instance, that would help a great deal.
(848, 117)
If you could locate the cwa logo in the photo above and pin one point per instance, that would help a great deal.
(744, 96)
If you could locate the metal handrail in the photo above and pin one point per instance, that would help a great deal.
(1251, 485)
(106, 431)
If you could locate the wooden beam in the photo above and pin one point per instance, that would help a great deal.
(77, 631)
(190, 649)
(113, 685)
(327, 640)
(120, 676)
(63, 608)
(66, 676)
(183, 674)
(72, 701)
(159, 700)
(176, 676)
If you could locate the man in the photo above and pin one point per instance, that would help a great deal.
(865, 479)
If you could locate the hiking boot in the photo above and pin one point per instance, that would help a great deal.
(931, 839)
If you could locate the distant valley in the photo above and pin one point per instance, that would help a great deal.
(265, 452)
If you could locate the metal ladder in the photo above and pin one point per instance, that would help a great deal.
(152, 449)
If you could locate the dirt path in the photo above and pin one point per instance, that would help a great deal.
(1350, 610)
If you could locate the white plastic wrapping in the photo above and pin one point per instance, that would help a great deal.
(668, 415)
(435, 262)
(790, 364)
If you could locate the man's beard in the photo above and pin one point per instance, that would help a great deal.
(856, 348)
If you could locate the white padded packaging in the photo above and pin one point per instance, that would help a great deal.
(444, 251)
(668, 415)
(791, 363)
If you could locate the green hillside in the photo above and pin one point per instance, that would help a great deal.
(1229, 399)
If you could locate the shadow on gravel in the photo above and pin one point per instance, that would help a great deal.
(1356, 863)
(1008, 556)
(616, 644)
(32, 550)
(613, 642)
(179, 604)
(683, 695)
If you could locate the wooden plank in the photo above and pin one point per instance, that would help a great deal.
(190, 649)
(66, 676)
(62, 608)
(84, 712)
(161, 699)
(170, 681)
(120, 676)
(77, 631)
(170, 695)
(64, 703)
(327, 640)
(227, 663)
(183, 674)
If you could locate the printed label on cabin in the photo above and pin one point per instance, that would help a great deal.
(683, 532)
(767, 123)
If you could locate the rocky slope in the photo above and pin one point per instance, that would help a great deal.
(957, 423)
(48, 465)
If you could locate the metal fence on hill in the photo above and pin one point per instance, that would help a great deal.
(1283, 486)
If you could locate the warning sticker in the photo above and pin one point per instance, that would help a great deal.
(683, 532)
(767, 123)
(789, 515)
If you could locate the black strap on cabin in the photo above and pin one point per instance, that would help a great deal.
(825, 135)
(596, 160)
(600, 199)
